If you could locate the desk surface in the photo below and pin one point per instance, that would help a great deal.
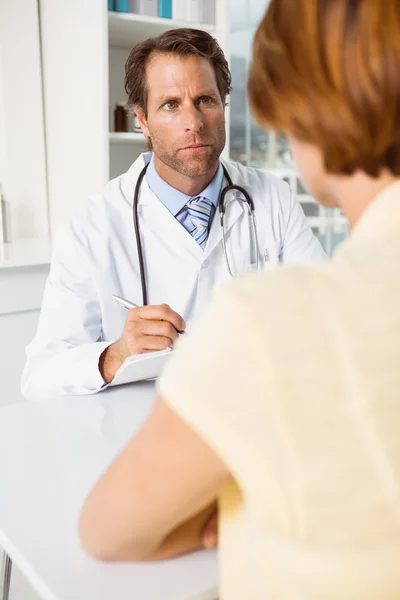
(51, 454)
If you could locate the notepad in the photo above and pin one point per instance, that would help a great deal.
(141, 367)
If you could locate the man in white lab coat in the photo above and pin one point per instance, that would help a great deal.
(177, 85)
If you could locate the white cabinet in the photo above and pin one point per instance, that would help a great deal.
(21, 291)
(22, 140)
(16, 331)
(75, 72)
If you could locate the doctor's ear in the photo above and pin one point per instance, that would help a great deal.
(140, 116)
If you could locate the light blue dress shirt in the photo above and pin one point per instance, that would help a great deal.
(175, 201)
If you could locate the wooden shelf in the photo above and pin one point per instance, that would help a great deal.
(127, 29)
(126, 138)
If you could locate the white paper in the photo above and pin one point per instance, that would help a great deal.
(141, 367)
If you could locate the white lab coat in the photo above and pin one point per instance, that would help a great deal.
(95, 256)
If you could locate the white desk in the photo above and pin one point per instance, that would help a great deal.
(51, 453)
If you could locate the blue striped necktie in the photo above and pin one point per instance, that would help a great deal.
(199, 210)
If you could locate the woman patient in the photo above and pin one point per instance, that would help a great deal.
(282, 406)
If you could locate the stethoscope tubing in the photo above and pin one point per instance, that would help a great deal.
(222, 208)
(137, 234)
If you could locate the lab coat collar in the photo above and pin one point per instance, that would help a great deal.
(155, 217)
(234, 208)
(132, 175)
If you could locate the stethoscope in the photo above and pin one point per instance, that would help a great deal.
(222, 210)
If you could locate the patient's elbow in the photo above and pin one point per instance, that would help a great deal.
(101, 540)
(93, 536)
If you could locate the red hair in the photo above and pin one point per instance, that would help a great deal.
(328, 73)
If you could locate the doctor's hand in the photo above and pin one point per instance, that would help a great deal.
(146, 329)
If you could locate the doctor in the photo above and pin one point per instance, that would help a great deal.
(177, 85)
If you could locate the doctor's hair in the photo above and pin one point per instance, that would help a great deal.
(327, 72)
(178, 42)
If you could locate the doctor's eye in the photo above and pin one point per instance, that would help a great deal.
(168, 106)
(207, 100)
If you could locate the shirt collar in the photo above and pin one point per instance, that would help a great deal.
(211, 192)
(173, 199)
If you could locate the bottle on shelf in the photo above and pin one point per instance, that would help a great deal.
(121, 5)
(179, 10)
(207, 12)
(193, 11)
(120, 117)
(144, 7)
(165, 9)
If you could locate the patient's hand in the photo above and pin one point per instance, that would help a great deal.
(209, 534)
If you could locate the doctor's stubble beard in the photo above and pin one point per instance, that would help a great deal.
(192, 165)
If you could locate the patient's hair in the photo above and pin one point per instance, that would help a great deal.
(178, 42)
(328, 73)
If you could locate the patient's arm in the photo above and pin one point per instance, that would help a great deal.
(153, 501)
(185, 538)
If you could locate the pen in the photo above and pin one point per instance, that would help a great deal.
(127, 304)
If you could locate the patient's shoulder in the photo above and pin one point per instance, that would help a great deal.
(285, 290)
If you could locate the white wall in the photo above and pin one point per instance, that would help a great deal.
(22, 144)
(74, 41)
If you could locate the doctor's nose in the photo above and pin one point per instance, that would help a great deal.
(193, 121)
